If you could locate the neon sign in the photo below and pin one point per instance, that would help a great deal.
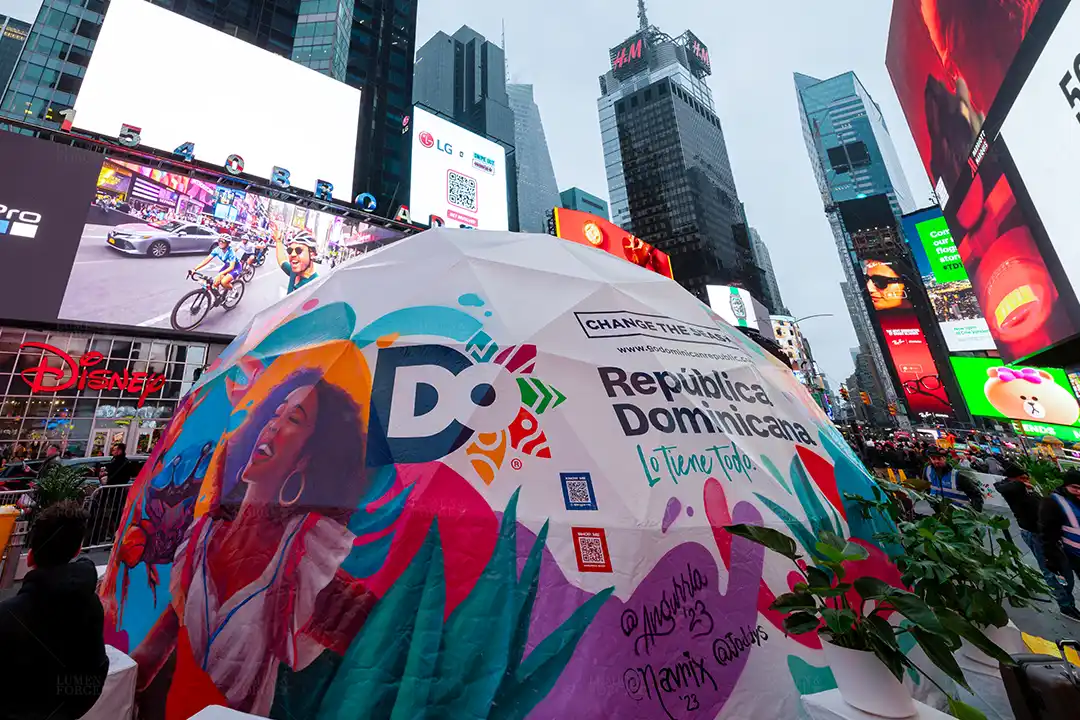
(46, 378)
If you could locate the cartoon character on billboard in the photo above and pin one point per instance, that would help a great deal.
(296, 258)
(1030, 393)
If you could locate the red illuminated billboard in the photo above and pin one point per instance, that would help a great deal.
(586, 229)
(947, 60)
(888, 288)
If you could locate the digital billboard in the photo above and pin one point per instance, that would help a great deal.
(587, 229)
(948, 287)
(630, 57)
(739, 308)
(178, 81)
(1026, 308)
(1041, 396)
(1041, 134)
(887, 284)
(947, 60)
(457, 175)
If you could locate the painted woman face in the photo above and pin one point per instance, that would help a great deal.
(279, 446)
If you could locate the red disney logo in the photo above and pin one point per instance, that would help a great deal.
(47, 378)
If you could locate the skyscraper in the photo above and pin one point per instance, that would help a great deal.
(669, 178)
(13, 35)
(852, 157)
(462, 77)
(770, 287)
(367, 44)
(537, 192)
(577, 199)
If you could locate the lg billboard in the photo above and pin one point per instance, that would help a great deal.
(178, 81)
(457, 175)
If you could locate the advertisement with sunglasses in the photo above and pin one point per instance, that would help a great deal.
(887, 285)
(165, 250)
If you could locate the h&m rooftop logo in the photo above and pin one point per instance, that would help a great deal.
(21, 223)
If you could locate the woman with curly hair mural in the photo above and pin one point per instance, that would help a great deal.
(257, 583)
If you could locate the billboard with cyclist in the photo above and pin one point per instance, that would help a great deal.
(164, 250)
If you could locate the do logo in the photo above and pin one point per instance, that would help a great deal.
(428, 400)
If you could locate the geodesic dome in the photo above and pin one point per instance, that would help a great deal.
(480, 475)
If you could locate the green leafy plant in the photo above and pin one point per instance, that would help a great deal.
(408, 662)
(57, 484)
(1045, 474)
(959, 560)
(853, 615)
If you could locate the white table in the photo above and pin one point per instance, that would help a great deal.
(829, 705)
(117, 701)
(217, 712)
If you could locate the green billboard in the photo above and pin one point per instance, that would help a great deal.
(941, 250)
(1040, 398)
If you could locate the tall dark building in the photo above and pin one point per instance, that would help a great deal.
(13, 35)
(669, 178)
(462, 78)
(378, 35)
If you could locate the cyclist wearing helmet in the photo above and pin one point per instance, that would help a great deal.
(230, 264)
(296, 258)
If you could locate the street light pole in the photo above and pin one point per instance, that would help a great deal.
(808, 317)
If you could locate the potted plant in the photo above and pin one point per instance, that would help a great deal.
(860, 643)
(56, 484)
(960, 560)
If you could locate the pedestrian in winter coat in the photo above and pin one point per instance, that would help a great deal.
(1024, 502)
(52, 652)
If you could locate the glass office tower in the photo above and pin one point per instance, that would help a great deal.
(537, 191)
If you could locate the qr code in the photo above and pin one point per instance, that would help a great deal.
(592, 551)
(578, 490)
(461, 190)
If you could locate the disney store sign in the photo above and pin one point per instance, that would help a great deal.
(58, 371)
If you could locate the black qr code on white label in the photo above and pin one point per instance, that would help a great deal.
(592, 551)
(578, 490)
(461, 190)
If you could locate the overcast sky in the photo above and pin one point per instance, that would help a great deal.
(25, 10)
(561, 47)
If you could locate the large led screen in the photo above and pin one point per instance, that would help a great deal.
(887, 285)
(179, 81)
(588, 229)
(1034, 396)
(947, 60)
(147, 228)
(948, 287)
(1023, 304)
(457, 175)
(1042, 135)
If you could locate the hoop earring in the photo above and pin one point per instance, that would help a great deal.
(299, 491)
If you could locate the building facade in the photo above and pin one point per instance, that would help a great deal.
(537, 191)
(853, 157)
(577, 199)
(669, 177)
(770, 287)
(13, 34)
(367, 44)
(462, 78)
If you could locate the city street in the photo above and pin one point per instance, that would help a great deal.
(107, 286)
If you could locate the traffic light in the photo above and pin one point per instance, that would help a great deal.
(865, 398)
(892, 408)
(843, 392)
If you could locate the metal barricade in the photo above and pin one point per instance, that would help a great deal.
(105, 507)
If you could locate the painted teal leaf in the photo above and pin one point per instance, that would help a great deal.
(418, 683)
(768, 463)
(364, 522)
(367, 682)
(540, 671)
(805, 537)
(524, 596)
(804, 490)
(334, 321)
(364, 560)
(476, 643)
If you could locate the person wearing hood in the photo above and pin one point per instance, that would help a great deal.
(951, 483)
(1017, 491)
(1059, 525)
(53, 663)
